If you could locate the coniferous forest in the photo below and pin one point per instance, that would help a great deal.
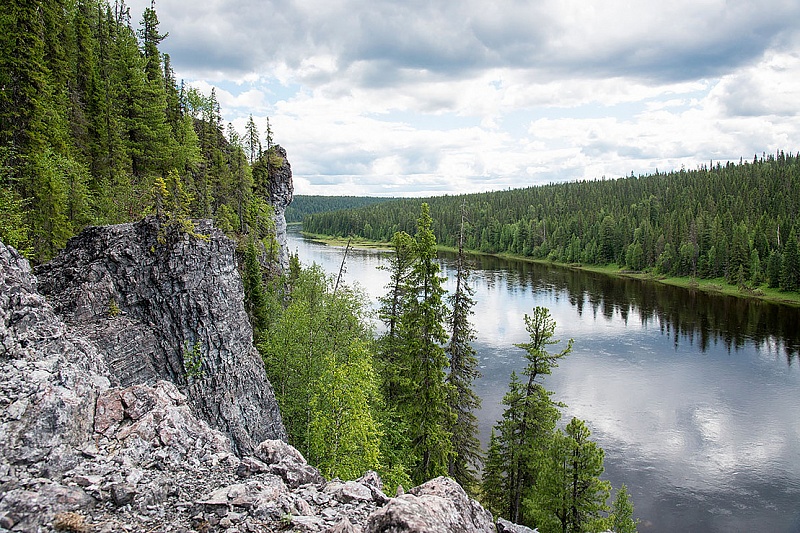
(95, 129)
(732, 221)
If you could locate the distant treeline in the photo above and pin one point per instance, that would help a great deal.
(303, 205)
(737, 221)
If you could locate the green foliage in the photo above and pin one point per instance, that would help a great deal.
(528, 422)
(702, 223)
(413, 360)
(790, 266)
(13, 230)
(569, 494)
(255, 298)
(621, 518)
(466, 458)
(344, 437)
(92, 121)
(193, 360)
(114, 311)
(304, 205)
(317, 353)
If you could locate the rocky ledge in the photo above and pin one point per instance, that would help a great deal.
(101, 429)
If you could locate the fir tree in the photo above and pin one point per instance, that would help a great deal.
(621, 518)
(463, 401)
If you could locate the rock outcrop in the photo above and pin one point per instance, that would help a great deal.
(92, 443)
(147, 297)
(281, 192)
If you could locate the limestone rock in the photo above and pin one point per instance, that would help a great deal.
(437, 505)
(145, 303)
(281, 192)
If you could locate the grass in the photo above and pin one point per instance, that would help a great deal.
(357, 242)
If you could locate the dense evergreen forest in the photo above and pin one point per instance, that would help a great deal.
(733, 221)
(95, 129)
(304, 205)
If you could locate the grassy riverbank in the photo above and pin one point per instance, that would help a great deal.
(356, 242)
(716, 285)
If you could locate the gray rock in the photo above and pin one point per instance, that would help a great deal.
(118, 438)
(437, 505)
(170, 295)
(281, 192)
(504, 526)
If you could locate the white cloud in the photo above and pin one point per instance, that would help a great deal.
(421, 98)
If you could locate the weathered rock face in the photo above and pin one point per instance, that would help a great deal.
(51, 378)
(145, 304)
(281, 192)
(84, 447)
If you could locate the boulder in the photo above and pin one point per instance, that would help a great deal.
(437, 505)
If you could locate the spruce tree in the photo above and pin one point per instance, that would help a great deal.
(790, 266)
(391, 309)
(569, 494)
(422, 360)
(466, 458)
(254, 295)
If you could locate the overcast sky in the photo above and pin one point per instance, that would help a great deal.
(427, 97)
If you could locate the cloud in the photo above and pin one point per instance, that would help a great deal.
(423, 97)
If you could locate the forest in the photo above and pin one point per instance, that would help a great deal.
(732, 221)
(303, 205)
(95, 129)
(94, 126)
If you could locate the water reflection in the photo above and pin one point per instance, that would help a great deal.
(689, 394)
(687, 316)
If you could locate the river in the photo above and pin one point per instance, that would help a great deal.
(695, 398)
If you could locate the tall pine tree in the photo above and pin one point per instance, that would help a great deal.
(466, 457)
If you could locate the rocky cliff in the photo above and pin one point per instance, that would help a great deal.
(101, 429)
(147, 297)
(281, 192)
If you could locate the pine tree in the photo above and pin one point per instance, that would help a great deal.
(465, 459)
(621, 518)
(569, 494)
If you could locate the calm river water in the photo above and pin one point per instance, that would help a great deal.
(694, 398)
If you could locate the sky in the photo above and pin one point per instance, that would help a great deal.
(432, 97)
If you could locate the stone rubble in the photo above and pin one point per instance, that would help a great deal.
(88, 444)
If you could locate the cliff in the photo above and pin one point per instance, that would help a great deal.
(281, 192)
(101, 428)
(146, 304)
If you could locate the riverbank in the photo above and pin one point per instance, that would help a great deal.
(715, 285)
